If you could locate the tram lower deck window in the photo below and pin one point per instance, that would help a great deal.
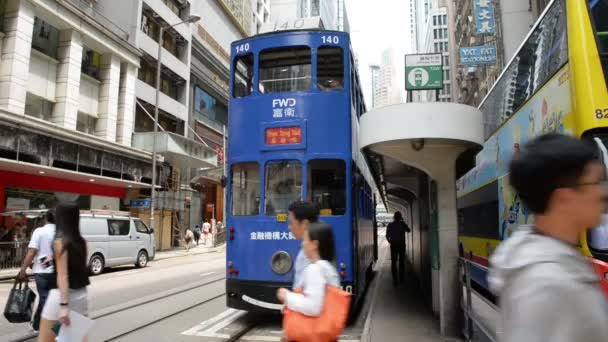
(283, 185)
(327, 185)
(285, 70)
(245, 189)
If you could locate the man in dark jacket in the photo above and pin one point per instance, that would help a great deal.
(395, 234)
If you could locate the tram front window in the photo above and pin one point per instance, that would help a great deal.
(245, 189)
(327, 185)
(285, 70)
(283, 185)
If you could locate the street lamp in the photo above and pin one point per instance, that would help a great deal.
(191, 19)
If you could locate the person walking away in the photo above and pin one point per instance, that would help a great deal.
(395, 234)
(197, 233)
(547, 290)
(188, 239)
(206, 230)
(300, 215)
(70, 255)
(40, 255)
(320, 250)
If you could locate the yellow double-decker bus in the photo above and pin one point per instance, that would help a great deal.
(556, 82)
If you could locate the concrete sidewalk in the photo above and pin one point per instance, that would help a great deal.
(8, 274)
(401, 313)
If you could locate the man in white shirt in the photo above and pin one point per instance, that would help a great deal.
(40, 252)
(206, 231)
(301, 214)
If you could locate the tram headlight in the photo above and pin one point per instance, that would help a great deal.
(281, 262)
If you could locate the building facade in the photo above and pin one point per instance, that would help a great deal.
(374, 71)
(436, 40)
(472, 83)
(67, 110)
(387, 90)
(332, 12)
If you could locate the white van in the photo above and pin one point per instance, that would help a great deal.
(115, 238)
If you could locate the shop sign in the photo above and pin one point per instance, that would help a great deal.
(14, 203)
(477, 55)
(142, 204)
(484, 17)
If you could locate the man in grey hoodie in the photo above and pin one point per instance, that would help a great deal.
(548, 291)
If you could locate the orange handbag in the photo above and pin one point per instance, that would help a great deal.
(323, 328)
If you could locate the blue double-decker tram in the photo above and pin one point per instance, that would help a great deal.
(293, 123)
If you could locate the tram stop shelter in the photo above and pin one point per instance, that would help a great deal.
(414, 151)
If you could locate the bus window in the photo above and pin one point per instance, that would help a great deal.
(283, 185)
(245, 189)
(243, 75)
(599, 13)
(330, 68)
(285, 69)
(327, 185)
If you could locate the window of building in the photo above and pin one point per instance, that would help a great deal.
(173, 6)
(285, 70)
(330, 68)
(327, 185)
(283, 185)
(206, 105)
(168, 86)
(45, 38)
(445, 33)
(445, 19)
(245, 189)
(144, 122)
(90, 62)
(435, 20)
(86, 123)
(445, 47)
(446, 60)
(38, 107)
(435, 35)
(119, 227)
(243, 75)
(149, 26)
(170, 43)
(436, 47)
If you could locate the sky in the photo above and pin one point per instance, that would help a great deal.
(374, 26)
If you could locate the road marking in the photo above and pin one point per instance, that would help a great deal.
(206, 274)
(212, 326)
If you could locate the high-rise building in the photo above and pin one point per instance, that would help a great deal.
(332, 12)
(387, 90)
(436, 40)
(472, 83)
(261, 14)
(374, 71)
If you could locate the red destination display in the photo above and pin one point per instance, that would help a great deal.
(283, 135)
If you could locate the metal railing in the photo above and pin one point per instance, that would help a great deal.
(88, 7)
(219, 237)
(12, 254)
(470, 321)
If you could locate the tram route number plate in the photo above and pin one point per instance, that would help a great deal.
(281, 217)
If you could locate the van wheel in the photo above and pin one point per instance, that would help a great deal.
(142, 259)
(96, 264)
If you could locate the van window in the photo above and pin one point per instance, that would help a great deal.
(119, 227)
(141, 227)
(285, 69)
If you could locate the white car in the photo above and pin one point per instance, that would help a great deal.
(114, 239)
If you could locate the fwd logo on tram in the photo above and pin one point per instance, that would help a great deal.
(282, 103)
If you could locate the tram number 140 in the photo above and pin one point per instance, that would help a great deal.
(347, 289)
(330, 39)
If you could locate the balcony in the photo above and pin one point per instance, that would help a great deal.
(166, 103)
(150, 47)
(177, 150)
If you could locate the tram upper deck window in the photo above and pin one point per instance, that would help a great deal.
(245, 189)
(285, 69)
(327, 185)
(283, 185)
(330, 68)
(243, 75)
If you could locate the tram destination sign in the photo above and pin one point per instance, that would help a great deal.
(312, 23)
(423, 71)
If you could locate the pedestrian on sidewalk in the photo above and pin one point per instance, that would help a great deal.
(188, 239)
(395, 234)
(70, 255)
(320, 250)
(206, 230)
(300, 215)
(197, 233)
(40, 257)
(548, 291)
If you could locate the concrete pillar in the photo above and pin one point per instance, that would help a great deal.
(126, 104)
(16, 49)
(69, 53)
(109, 75)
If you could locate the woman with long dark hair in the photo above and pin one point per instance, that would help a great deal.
(70, 255)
